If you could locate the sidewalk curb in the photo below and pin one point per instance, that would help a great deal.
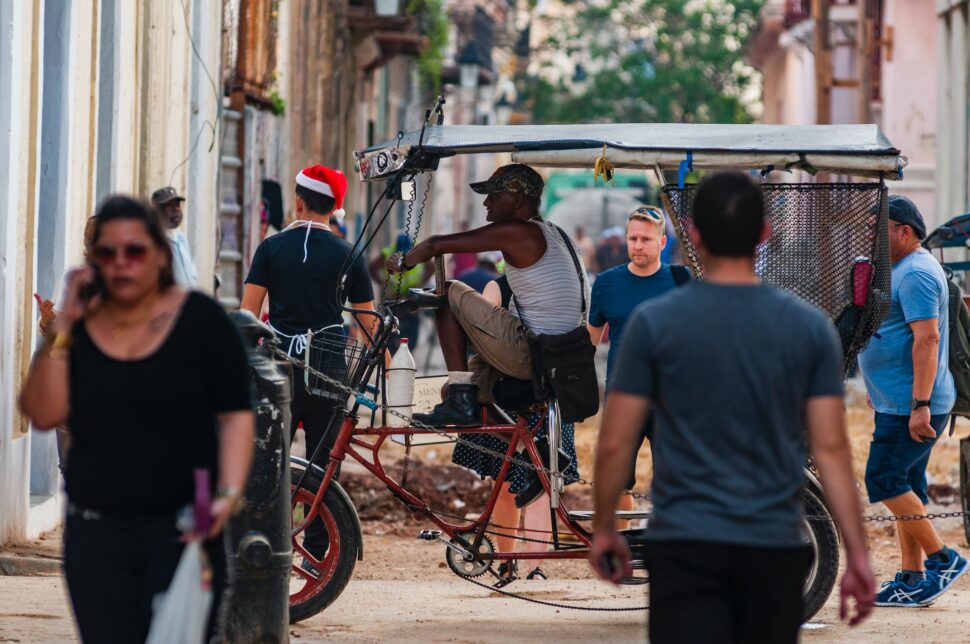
(22, 566)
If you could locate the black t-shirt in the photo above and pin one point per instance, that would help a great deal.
(303, 295)
(140, 427)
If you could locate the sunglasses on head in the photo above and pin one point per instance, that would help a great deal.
(133, 252)
(650, 213)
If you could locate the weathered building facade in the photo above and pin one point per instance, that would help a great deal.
(96, 97)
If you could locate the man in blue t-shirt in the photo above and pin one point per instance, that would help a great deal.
(911, 391)
(621, 289)
(735, 398)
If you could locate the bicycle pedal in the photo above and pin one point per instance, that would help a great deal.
(634, 581)
(429, 535)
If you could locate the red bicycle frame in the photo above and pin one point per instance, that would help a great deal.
(350, 443)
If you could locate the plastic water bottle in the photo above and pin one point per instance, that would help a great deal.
(400, 385)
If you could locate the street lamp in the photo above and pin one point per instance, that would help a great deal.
(469, 66)
(503, 109)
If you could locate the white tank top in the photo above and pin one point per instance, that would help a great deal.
(547, 294)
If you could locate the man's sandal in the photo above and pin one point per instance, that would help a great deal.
(537, 574)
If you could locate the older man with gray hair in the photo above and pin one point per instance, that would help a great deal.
(169, 204)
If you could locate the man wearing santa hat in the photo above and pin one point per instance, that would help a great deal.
(299, 269)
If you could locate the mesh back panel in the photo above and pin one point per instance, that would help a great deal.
(818, 232)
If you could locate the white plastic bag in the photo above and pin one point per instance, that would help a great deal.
(181, 613)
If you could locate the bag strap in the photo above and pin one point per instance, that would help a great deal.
(579, 270)
(505, 290)
(680, 273)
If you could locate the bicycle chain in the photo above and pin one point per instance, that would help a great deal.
(502, 456)
(555, 604)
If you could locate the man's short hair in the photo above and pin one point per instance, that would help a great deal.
(315, 201)
(729, 214)
(650, 215)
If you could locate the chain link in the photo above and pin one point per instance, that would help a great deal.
(880, 518)
(912, 517)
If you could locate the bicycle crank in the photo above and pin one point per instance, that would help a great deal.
(467, 563)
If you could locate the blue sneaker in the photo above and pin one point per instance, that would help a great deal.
(945, 573)
(897, 593)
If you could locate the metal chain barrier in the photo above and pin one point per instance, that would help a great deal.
(912, 517)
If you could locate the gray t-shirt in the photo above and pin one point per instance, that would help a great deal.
(728, 369)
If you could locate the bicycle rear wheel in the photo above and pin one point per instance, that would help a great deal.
(313, 590)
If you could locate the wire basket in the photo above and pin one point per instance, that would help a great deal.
(822, 234)
(335, 355)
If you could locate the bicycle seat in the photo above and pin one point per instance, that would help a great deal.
(514, 394)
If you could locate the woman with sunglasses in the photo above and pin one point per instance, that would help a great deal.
(153, 383)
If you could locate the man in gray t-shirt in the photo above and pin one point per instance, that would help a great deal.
(730, 367)
(737, 371)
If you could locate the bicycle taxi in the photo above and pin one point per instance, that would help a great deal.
(829, 245)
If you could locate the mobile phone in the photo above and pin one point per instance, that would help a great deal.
(94, 287)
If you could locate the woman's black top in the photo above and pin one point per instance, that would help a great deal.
(140, 427)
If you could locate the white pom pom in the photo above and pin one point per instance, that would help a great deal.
(339, 213)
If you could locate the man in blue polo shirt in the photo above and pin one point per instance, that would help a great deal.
(621, 289)
(911, 390)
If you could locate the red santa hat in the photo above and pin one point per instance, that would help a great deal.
(326, 181)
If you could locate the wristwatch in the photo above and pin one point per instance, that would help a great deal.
(917, 403)
(400, 263)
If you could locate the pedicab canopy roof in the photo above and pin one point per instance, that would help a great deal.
(860, 150)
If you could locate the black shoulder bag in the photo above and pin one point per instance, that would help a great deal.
(563, 365)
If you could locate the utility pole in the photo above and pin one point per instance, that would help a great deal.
(823, 62)
(867, 48)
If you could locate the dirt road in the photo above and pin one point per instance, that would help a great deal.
(402, 593)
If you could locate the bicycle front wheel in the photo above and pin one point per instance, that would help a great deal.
(324, 562)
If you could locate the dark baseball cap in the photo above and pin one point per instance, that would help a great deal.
(165, 195)
(903, 211)
(514, 177)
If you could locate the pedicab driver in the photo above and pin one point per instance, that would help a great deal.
(540, 269)
(299, 269)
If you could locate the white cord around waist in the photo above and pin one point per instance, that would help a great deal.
(299, 341)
